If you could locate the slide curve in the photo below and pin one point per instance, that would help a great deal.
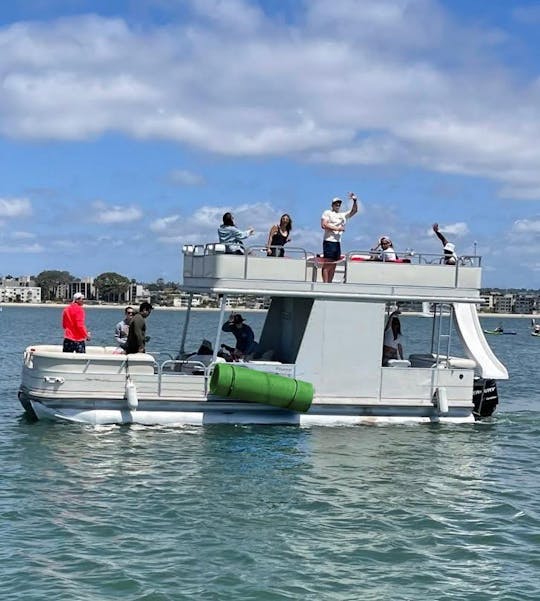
(475, 344)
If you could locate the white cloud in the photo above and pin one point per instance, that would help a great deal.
(11, 208)
(452, 230)
(165, 223)
(22, 235)
(380, 82)
(201, 227)
(527, 226)
(22, 248)
(183, 177)
(115, 214)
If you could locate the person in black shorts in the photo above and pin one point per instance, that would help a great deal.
(333, 223)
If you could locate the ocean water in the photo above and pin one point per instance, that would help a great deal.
(268, 513)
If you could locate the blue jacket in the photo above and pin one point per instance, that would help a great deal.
(232, 237)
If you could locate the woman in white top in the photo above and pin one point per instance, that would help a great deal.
(392, 347)
(387, 252)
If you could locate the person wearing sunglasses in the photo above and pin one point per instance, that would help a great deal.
(137, 338)
(121, 330)
(386, 252)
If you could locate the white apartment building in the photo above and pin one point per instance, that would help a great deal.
(20, 294)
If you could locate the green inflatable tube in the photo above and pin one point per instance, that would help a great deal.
(247, 384)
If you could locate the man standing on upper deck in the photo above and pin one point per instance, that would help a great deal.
(333, 223)
(73, 322)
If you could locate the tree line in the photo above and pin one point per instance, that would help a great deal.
(110, 286)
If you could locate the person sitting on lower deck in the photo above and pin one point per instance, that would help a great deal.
(392, 347)
(204, 355)
(245, 338)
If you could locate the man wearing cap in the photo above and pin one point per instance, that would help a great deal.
(449, 249)
(245, 338)
(73, 322)
(333, 223)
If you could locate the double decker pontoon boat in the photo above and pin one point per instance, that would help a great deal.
(323, 339)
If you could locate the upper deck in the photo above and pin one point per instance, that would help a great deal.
(422, 277)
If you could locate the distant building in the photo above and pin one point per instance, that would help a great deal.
(84, 285)
(20, 294)
(21, 289)
(525, 303)
(503, 303)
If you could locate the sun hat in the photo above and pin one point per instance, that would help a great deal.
(78, 296)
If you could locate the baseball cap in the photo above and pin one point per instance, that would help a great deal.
(78, 296)
(336, 200)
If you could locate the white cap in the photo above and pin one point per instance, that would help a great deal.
(336, 199)
(78, 296)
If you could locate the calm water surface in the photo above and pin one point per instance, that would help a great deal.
(268, 513)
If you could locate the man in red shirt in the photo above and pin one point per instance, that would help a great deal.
(73, 322)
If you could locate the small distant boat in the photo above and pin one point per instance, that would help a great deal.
(500, 330)
(535, 328)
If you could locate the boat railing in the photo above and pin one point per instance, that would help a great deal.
(414, 258)
(211, 260)
(184, 367)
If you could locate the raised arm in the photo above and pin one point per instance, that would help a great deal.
(354, 208)
(242, 235)
(439, 234)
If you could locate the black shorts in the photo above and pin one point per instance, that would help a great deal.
(331, 250)
(74, 346)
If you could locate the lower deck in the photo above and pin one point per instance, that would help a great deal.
(93, 388)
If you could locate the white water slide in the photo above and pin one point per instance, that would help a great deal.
(475, 343)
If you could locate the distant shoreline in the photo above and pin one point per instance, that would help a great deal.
(242, 310)
(124, 305)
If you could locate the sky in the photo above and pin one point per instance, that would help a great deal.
(128, 128)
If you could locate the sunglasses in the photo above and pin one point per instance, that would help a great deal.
(130, 313)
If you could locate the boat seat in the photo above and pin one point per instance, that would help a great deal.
(399, 363)
(428, 360)
(358, 258)
(216, 248)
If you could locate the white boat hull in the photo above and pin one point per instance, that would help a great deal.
(101, 387)
(238, 416)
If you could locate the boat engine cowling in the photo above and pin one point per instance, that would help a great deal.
(485, 397)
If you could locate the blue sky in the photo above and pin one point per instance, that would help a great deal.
(128, 128)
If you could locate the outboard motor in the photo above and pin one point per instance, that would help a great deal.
(485, 397)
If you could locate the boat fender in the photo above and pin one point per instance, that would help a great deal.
(442, 400)
(131, 395)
